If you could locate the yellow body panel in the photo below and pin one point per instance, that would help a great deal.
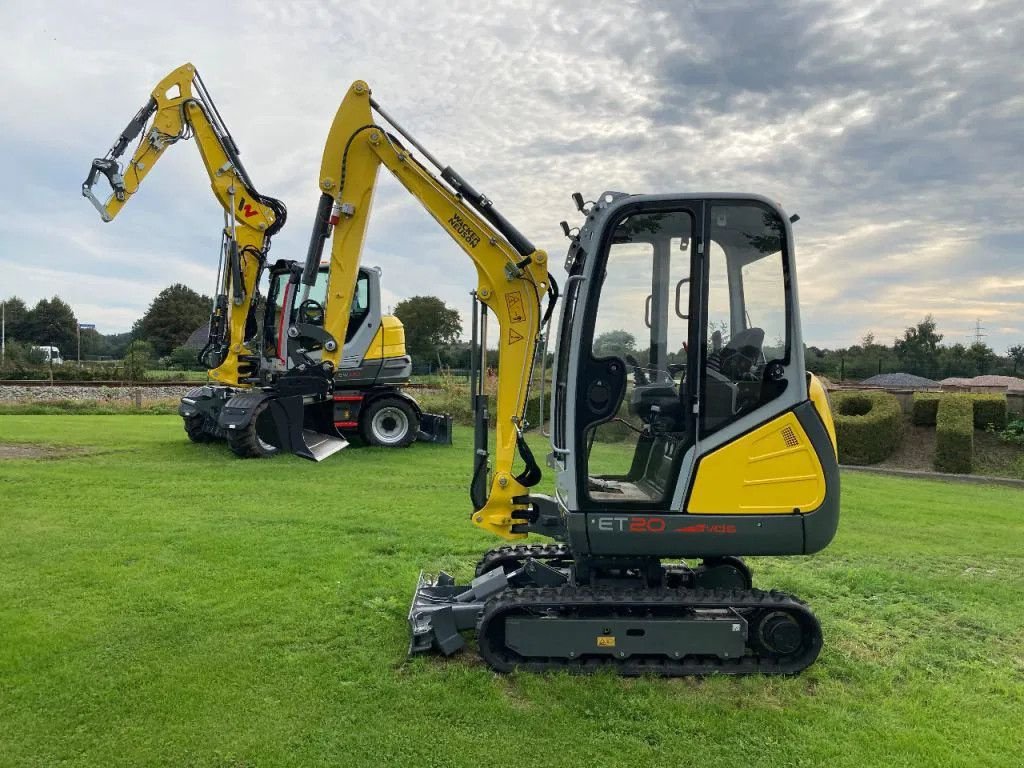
(819, 398)
(772, 470)
(389, 341)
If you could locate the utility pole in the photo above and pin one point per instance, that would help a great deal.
(3, 332)
(80, 326)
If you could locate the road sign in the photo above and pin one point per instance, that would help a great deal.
(87, 326)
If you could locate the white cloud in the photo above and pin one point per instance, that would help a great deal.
(894, 131)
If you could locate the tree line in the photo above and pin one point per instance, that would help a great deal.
(919, 351)
(171, 318)
(433, 334)
(432, 330)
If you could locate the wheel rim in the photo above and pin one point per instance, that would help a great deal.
(390, 425)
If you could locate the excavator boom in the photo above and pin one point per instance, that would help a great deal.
(512, 277)
(284, 385)
(179, 108)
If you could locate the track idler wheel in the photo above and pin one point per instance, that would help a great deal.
(778, 633)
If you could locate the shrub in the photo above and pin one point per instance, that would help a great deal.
(926, 405)
(954, 434)
(184, 359)
(138, 359)
(1014, 433)
(989, 409)
(869, 425)
(618, 429)
(452, 396)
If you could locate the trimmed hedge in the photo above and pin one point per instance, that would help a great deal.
(869, 425)
(987, 409)
(954, 435)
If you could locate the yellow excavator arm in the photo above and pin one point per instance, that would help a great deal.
(512, 276)
(180, 108)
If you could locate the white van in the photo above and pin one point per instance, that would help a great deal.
(50, 355)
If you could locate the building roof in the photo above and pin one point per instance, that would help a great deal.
(197, 340)
(901, 381)
(1012, 383)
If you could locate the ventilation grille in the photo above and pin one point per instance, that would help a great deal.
(789, 436)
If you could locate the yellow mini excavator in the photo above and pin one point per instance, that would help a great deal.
(731, 448)
(329, 360)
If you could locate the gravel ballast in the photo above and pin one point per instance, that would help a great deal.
(17, 394)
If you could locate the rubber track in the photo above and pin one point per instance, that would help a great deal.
(657, 601)
(500, 556)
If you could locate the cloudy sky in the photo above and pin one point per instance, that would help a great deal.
(896, 131)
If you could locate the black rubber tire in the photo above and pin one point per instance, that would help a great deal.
(246, 443)
(194, 429)
(374, 421)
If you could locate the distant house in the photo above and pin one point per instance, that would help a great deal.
(990, 383)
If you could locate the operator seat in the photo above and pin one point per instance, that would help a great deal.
(647, 394)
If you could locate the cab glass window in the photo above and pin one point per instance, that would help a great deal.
(747, 333)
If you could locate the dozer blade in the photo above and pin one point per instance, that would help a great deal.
(286, 428)
(318, 446)
(442, 609)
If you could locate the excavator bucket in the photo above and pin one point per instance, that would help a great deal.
(304, 430)
(435, 428)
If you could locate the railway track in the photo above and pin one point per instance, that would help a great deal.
(130, 384)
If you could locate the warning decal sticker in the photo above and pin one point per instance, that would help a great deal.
(514, 300)
(514, 336)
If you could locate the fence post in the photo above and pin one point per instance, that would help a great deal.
(138, 399)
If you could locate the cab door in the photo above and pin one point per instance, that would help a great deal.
(751, 455)
(636, 353)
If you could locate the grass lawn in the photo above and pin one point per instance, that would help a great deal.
(163, 603)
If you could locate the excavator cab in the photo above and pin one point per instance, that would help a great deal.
(695, 292)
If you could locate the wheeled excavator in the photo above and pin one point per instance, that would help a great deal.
(263, 351)
(731, 450)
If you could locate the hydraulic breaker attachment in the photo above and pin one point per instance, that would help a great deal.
(435, 428)
(305, 430)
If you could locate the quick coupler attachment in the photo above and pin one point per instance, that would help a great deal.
(441, 609)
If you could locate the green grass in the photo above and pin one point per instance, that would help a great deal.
(162, 603)
(166, 374)
(161, 407)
